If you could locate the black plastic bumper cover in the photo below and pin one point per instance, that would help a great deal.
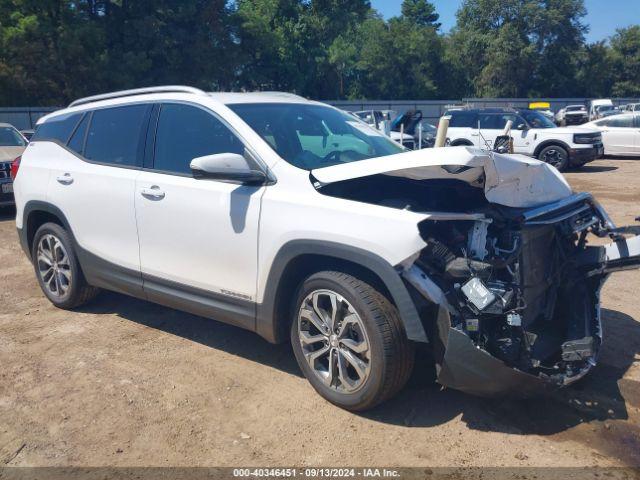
(583, 155)
(469, 369)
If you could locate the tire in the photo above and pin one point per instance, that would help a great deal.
(57, 268)
(461, 143)
(373, 338)
(555, 155)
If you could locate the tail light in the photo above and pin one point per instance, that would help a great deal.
(15, 165)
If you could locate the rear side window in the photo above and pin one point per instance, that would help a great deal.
(58, 128)
(621, 122)
(76, 143)
(116, 135)
(463, 119)
(186, 132)
(9, 137)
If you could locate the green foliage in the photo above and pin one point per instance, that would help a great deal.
(625, 53)
(420, 12)
(52, 51)
(520, 47)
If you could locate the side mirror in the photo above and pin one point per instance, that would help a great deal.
(522, 126)
(227, 167)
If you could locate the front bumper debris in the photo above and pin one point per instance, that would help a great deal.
(522, 316)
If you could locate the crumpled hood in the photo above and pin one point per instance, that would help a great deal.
(10, 153)
(509, 180)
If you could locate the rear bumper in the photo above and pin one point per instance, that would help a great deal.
(580, 156)
(6, 198)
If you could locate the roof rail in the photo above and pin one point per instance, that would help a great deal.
(281, 94)
(137, 91)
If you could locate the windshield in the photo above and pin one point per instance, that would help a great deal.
(314, 136)
(429, 129)
(605, 108)
(575, 108)
(537, 120)
(9, 137)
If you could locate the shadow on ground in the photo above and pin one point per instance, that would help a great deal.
(7, 213)
(593, 169)
(423, 403)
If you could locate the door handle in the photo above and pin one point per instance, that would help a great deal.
(152, 193)
(65, 179)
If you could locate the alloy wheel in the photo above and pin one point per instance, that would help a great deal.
(54, 267)
(554, 157)
(334, 341)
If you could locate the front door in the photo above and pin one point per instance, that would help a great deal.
(198, 237)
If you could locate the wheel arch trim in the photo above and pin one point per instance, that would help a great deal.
(275, 329)
(550, 143)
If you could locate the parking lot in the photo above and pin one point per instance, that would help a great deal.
(125, 383)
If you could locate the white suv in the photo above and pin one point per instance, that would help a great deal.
(533, 135)
(245, 209)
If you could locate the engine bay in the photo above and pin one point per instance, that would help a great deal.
(515, 290)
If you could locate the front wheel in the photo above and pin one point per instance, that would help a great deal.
(349, 341)
(556, 156)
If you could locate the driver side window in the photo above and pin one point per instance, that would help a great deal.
(185, 132)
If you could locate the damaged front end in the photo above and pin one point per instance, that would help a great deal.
(510, 271)
(517, 293)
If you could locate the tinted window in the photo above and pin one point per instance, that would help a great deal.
(116, 135)
(185, 132)
(58, 128)
(76, 143)
(9, 137)
(463, 119)
(315, 136)
(537, 120)
(621, 122)
(492, 121)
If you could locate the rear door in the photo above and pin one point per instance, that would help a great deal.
(463, 126)
(93, 183)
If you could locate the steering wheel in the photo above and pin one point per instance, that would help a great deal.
(334, 156)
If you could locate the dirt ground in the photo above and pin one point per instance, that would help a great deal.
(127, 383)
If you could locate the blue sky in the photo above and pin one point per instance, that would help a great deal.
(603, 17)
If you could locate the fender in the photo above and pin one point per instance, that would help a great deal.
(271, 328)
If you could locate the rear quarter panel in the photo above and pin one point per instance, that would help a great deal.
(32, 181)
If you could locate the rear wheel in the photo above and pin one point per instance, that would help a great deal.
(555, 155)
(349, 341)
(57, 268)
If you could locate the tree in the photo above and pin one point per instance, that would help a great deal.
(596, 70)
(520, 46)
(625, 52)
(421, 12)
